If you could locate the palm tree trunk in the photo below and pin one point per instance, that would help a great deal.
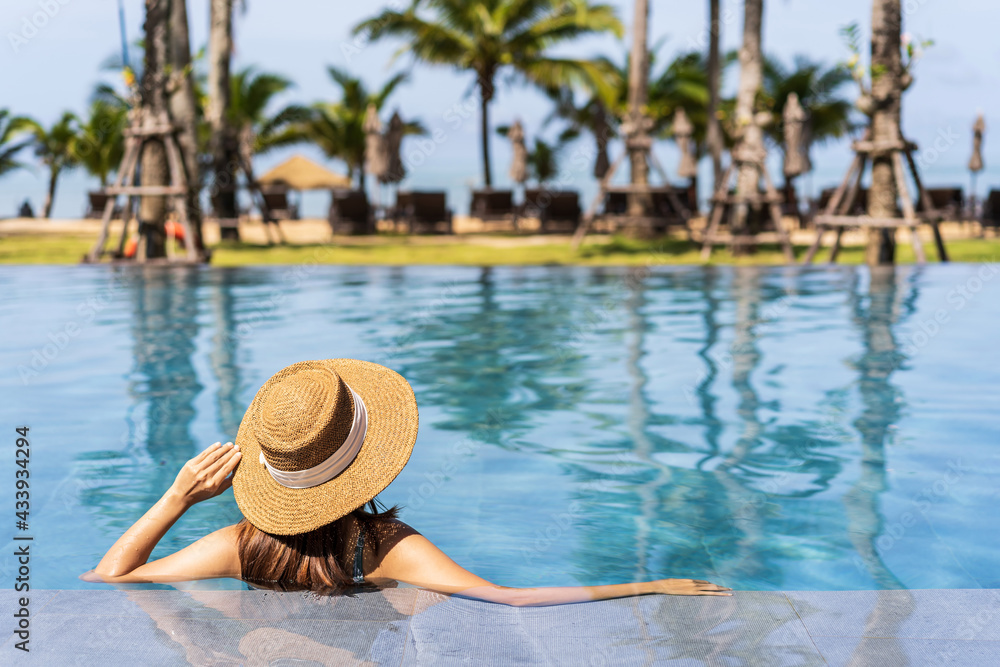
(153, 209)
(752, 136)
(886, 93)
(50, 197)
(639, 203)
(224, 157)
(713, 138)
(485, 96)
(184, 111)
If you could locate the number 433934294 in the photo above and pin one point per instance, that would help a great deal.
(21, 458)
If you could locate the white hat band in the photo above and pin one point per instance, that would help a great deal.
(338, 461)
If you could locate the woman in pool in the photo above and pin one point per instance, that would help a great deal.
(319, 441)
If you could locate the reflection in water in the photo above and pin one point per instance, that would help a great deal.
(572, 383)
(412, 626)
(707, 399)
(489, 364)
(638, 421)
(731, 473)
(881, 402)
(163, 385)
(225, 346)
(164, 381)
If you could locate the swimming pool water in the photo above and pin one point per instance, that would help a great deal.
(823, 429)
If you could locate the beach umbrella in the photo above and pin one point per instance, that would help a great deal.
(683, 131)
(976, 163)
(601, 132)
(376, 162)
(519, 161)
(301, 173)
(796, 138)
(395, 171)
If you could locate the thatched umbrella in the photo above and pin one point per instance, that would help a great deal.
(519, 161)
(376, 161)
(797, 160)
(300, 173)
(683, 131)
(393, 140)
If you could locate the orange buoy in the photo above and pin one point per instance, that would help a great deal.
(175, 229)
(172, 228)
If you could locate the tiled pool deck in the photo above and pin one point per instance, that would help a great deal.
(407, 626)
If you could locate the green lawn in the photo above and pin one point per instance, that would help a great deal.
(396, 250)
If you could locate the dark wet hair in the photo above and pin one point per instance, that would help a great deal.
(320, 560)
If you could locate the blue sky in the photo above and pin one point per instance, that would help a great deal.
(56, 69)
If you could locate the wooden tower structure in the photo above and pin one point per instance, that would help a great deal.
(143, 128)
(641, 215)
(915, 211)
(737, 206)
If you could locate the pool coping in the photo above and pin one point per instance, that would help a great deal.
(410, 626)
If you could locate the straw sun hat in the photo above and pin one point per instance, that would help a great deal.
(321, 439)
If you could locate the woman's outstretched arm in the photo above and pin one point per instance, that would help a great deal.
(205, 476)
(413, 559)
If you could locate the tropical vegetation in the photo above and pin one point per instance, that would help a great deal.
(55, 148)
(258, 128)
(99, 143)
(818, 88)
(226, 117)
(494, 39)
(12, 128)
(337, 128)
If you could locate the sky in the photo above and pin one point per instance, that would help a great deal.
(51, 65)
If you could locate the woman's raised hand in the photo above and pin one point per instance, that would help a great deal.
(689, 587)
(208, 474)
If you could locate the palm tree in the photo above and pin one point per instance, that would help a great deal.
(543, 159)
(251, 95)
(185, 111)
(154, 170)
(713, 136)
(10, 128)
(683, 83)
(749, 131)
(886, 94)
(593, 117)
(829, 114)
(338, 127)
(100, 140)
(222, 143)
(491, 37)
(54, 146)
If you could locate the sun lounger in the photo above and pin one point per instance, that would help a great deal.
(991, 210)
(948, 202)
(663, 198)
(553, 208)
(492, 205)
(424, 212)
(350, 212)
(96, 201)
(276, 200)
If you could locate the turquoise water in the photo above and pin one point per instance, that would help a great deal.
(765, 429)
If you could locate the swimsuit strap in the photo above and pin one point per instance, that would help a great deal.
(359, 550)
